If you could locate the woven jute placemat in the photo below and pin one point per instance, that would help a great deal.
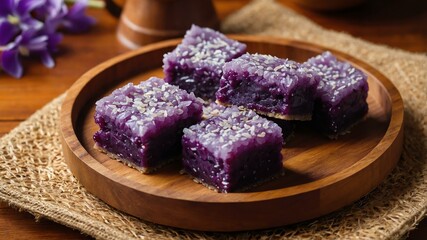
(35, 178)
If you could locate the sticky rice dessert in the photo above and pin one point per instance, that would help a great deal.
(196, 64)
(141, 125)
(271, 86)
(233, 150)
(212, 109)
(341, 94)
(287, 126)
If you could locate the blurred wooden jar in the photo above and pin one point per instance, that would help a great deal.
(146, 21)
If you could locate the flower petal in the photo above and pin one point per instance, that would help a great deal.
(78, 8)
(24, 7)
(38, 43)
(53, 41)
(27, 35)
(76, 20)
(6, 7)
(47, 59)
(10, 63)
(78, 25)
(54, 8)
(27, 22)
(8, 31)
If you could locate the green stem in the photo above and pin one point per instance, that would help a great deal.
(90, 3)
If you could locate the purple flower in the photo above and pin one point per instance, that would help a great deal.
(18, 13)
(30, 28)
(76, 20)
(52, 14)
(30, 42)
(7, 32)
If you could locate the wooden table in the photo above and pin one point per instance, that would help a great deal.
(380, 21)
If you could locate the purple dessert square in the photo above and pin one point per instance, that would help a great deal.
(342, 93)
(213, 109)
(196, 64)
(141, 125)
(287, 126)
(233, 150)
(271, 86)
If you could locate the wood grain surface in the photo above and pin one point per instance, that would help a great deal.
(317, 180)
(400, 24)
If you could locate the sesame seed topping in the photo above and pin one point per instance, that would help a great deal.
(204, 47)
(338, 78)
(148, 104)
(232, 128)
(282, 77)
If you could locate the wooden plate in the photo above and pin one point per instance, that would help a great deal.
(322, 175)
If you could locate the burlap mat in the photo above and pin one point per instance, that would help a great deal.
(34, 177)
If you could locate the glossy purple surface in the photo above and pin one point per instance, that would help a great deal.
(287, 126)
(196, 64)
(341, 94)
(214, 109)
(268, 85)
(233, 150)
(138, 122)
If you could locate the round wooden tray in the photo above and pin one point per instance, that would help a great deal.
(322, 175)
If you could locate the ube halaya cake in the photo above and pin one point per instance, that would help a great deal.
(232, 151)
(141, 125)
(342, 93)
(196, 64)
(269, 85)
(287, 126)
(213, 109)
